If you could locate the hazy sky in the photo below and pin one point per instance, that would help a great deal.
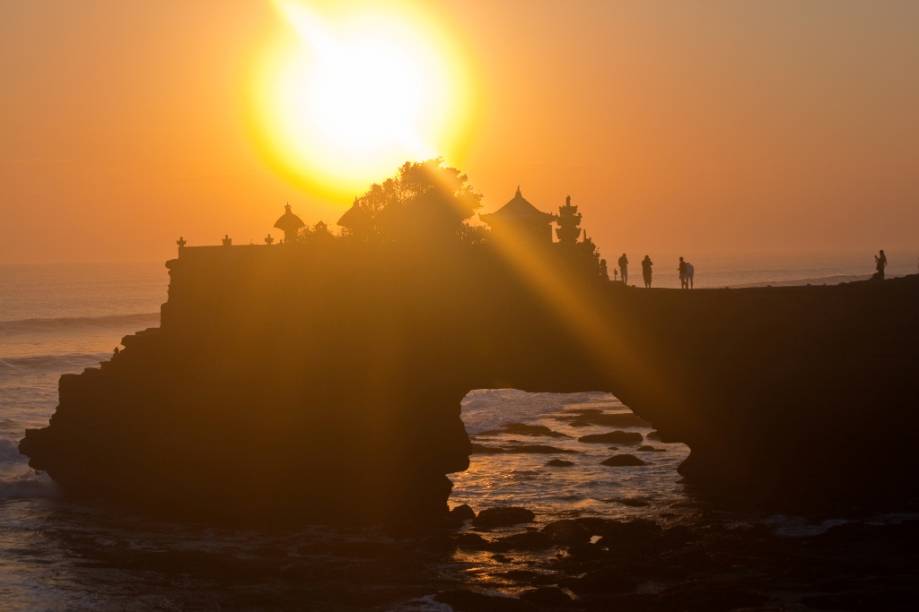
(715, 126)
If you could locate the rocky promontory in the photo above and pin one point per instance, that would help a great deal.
(323, 380)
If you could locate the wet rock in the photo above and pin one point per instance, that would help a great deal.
(551, 597)
(620, 530)
(528, 540)
(622, 419)
(583, 411)
(559, 463)
(586, 552)
(463, 601)
(503, 517)
(629, 537)
(462, 513)
(471, 541)
(624, 460)
(613, 437)
(522, 429)
(520, 576)
(634, 502)
(567, 532)
(538, 449)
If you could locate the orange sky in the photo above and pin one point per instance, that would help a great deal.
(677, 126)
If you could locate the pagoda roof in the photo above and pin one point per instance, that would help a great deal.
(516, 211)
(289, 221)
(353, 215)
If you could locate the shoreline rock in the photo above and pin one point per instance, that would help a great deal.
(627, 438)
(623, 460)
(502, 516)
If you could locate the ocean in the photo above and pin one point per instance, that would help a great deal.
(58, 554)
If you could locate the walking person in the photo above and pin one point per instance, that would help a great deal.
(646, 265)
(624, 268)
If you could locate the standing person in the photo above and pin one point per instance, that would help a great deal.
(624, 268)
(880, 264)
(682, 270)
(646, 265)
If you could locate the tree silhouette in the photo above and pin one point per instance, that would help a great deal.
(424, 201)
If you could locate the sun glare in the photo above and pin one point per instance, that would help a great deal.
(345, 97)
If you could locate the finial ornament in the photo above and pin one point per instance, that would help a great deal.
(518, 194)
(181, 242)
(567, 200)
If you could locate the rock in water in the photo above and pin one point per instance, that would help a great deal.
(503, 517)
(613, 437)
(522, 429)
(462, 513)
(551, 597)
(620, 419)
(323, 379)
(250, 404)
(559, 463)
(567, 532)
(624, 460)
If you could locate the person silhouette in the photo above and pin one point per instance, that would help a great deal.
(880, 265)
(646, 265)
(687, 274)
(624, 268)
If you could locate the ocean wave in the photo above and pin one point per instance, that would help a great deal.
(9, 452)
(836, 279)
(31, 326)
(27, 485)
(484, 409)
(57, 362)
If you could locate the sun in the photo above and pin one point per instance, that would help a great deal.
(343, 98)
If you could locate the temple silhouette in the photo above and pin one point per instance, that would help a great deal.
(320, 377)
(521, 218)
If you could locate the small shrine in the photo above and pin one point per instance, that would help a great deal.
(290, 224)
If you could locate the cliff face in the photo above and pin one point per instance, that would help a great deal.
(324, 381)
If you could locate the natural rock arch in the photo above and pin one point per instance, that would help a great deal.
(324, 381)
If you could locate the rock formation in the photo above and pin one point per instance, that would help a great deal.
(323, 380)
